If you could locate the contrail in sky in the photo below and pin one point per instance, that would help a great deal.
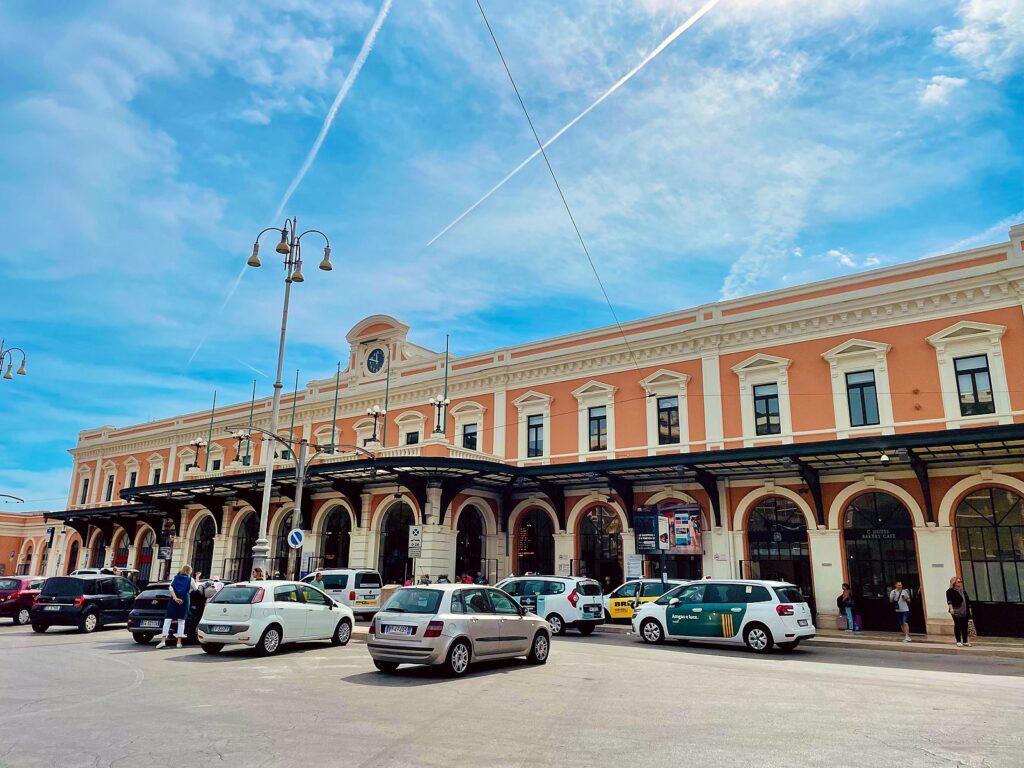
(622, 81)
(346, 86)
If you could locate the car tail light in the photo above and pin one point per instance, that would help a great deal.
(373, 625)
(784, 610)
(434, 629)
(258, 597)
(79, 601)
(352, 595)
(573, 598)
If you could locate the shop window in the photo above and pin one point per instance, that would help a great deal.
(598, 428)
(469, 436)
(668, 420)
(974, 385)
(534, 436)
(766, 410)
(862, 397)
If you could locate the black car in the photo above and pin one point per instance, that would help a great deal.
(87, 602)
(147, 615)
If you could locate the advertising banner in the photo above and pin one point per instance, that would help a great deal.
(685, 525)
(645, 523)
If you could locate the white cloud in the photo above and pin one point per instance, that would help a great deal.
(939, 89)
(991, 37)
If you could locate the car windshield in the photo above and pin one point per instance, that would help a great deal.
(335, 580)
(663, 600)
(235, 595)
(414, 600)
(589, 588)
(153, 593)
(9, 584)
(66, 586)
(790, 595)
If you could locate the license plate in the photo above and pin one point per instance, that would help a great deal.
(52, 608)
(220, 629)
(801, 622)
(591, 609)
(397, 629)
(149, 623)
(364, 602)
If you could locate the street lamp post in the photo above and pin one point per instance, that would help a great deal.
(7, 354)
(290, 247)
(197, 447)
(440, 404)
(375, 413)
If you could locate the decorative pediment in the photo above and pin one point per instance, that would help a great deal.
(664, 378)
(761, 362)
(532, 398)
(155, 459)
(132, 463)
(410, 418)
(466, 408)
(856, 348)
(594, 389)
(967, 330)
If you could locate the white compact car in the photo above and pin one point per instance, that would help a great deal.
(358, 588)
(758, 613)
(564, 601)
(265, 614)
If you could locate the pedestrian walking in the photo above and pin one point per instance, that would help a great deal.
(257, 575)
(181, 590)
(960, 609)
(846, 604)
(900, 598)
(318, 581)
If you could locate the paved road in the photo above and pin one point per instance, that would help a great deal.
(71, 700)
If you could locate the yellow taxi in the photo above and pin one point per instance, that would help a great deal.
(620, 602)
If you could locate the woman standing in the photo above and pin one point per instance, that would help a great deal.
(846, 604)
(181, 590)
(960, 610)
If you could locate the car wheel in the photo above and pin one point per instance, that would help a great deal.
(142, 638)
(758, 638)
(457, 663)
(788, 647)
(22, 617)
(607, 616)
(651, 632)
(342, 633)
(212, 648)
(89, 623)
(556, 624)
(269, 642)
(585, 629)
(540, 649)
(387, 667)
(40, 628)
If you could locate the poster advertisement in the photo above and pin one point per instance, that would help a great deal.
(684, 522)
(645, 523)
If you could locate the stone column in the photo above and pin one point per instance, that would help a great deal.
(495, 553)
(565, 551)
(432, 509)
(438, 551)
(717, 562)
(827, 571)
(938, 559)
(628, 548)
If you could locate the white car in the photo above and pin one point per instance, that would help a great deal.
(758, 613)
(358, 588)
(563, 601)
(265, 614)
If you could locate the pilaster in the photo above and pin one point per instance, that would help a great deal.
(826, 553)
(937, 558)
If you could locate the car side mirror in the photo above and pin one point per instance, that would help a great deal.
(673, 602)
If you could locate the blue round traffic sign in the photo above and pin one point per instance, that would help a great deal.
(295, 537)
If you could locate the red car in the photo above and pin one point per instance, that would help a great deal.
(17, 594)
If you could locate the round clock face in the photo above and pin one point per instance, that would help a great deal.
(375, 361)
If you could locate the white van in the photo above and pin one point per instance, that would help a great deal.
(564, 601)
(358, 588)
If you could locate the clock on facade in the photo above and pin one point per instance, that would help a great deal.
(375, 361)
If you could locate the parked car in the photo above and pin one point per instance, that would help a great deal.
(358, 588)
(758, 613)
(454, 625)
(622, 601)
(88, 602)
(265, 614)
(17, 594)
(564, 601)
(147, 615)
(93, 572)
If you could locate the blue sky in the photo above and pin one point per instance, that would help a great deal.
(144, 144)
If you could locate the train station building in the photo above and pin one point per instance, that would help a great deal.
(865, 429)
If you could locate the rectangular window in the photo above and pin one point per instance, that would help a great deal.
(411, 438)
(974, 384)
(597, 418)
(133, 479)
(766, 409)
(286, 455)
(469, 434)
(534, 435)
(668, 420)
(216, 465)
(862, 397)
(156, 475)
(246, 460)
(108, 494)
(85, 491)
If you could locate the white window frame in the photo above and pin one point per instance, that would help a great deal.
(186, 457)
(854, 356)
(764, 369)
(132, 465)
(964, 339)
(216, 451)
(364, 430)
(469, 412)
(322, 436)
(411, 421)
(591, 395)
(665, 383)
(109, 480)
(155, 462)
(533, 404)
(84, 473)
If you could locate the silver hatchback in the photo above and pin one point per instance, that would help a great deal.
(454, 625)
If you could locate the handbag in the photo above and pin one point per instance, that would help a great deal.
(857, 623)
(841, 623)
(972, 631)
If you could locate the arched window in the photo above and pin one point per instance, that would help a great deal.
(72, 557)
(990, 539)
(777, 540)
(239, 567)
(146, 556)
(469, 543)
(121, 553)
(336, 538)
(202, 546)
(282, 552)
(25, 566)
(98, 551)
(600, 532)
(395, 565)
(535, 543)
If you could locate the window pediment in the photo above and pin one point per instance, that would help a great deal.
(967, 330)
(664, 379)
(469, 408)
(761, 366)
(856, 348)
(532, 398)
(410, 418)
(594, 390)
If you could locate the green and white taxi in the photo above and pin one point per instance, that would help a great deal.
(758, 613)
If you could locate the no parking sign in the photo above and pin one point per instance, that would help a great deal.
(295, 537)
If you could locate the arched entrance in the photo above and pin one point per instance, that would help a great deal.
(336, 539)
(146, 556)
(600, 537)
(470, 543)
(25, 565)
(281, 563)
(990, 539)
(98, 551)
(72, 557)
(535, 543)
(121, 552)
(395, 564)
(240, 565)
(202, 546)
(878, 534)
(777, 544)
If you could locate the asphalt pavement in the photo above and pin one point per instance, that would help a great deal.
(72, 700)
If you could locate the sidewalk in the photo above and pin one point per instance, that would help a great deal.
(1002, 647)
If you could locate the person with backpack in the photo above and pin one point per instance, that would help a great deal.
(960, 610)
(181, 590)
(900, 599)
(846, 604)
